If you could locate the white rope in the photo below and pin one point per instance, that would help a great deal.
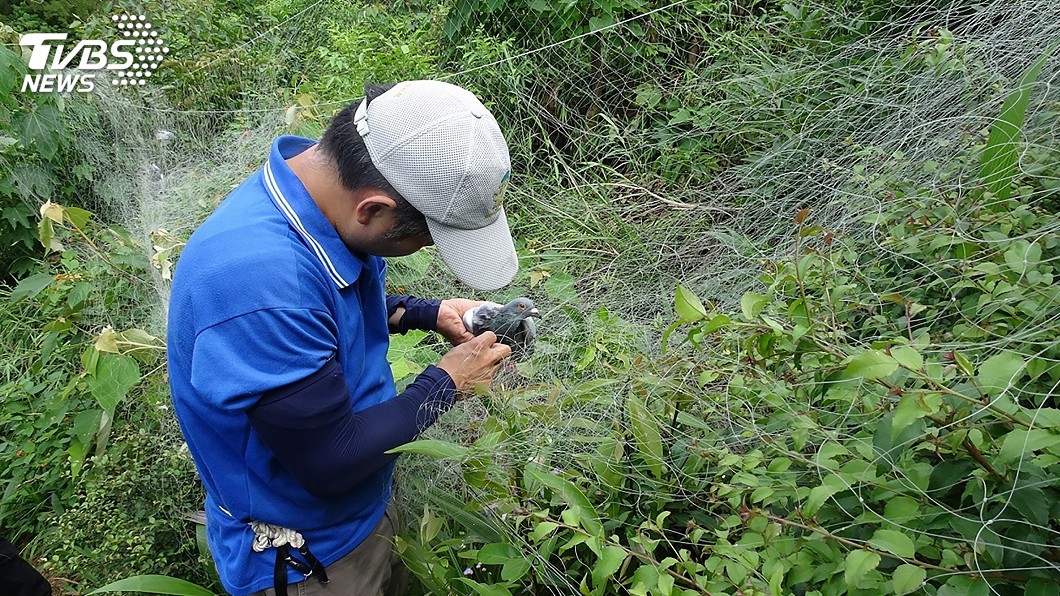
(268, 536)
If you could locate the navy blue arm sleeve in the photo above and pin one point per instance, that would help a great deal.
(311, 427)
(420, 313)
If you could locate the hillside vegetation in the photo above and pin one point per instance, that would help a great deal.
(797, 264)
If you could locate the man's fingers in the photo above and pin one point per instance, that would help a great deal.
(486, 339)
(501, 351)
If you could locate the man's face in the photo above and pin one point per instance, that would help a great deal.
(365, 227)
(374, 238)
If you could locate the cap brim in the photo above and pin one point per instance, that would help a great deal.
(484, 259)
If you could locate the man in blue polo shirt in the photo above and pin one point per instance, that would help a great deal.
(279, 323)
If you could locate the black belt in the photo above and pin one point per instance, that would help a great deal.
(310, 567)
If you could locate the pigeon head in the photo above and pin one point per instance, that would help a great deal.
(519, 309)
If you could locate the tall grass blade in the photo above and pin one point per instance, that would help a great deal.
(999, 164)
(154, 584)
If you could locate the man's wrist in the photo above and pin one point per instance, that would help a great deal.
(440, 392)
(420, 313)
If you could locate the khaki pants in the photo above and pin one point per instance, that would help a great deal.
(371, 569)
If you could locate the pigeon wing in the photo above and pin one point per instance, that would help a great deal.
(525, 338)
(476, 320)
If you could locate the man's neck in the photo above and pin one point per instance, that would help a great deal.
(321, 181)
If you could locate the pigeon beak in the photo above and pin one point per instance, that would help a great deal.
(534, 313)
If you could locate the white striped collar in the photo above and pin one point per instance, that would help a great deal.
(303, 214)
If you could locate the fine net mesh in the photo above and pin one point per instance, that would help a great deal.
(609, 210)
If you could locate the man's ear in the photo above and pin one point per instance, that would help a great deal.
(371, 202)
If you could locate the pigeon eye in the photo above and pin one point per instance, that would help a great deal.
(521, 305)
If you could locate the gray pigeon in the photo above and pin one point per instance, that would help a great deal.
(513, 323)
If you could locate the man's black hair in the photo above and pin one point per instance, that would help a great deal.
(344, 145)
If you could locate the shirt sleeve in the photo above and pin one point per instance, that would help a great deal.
(236, 361)
(420, 313)
(311, 428)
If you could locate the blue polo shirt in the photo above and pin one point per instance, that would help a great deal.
(264, 293)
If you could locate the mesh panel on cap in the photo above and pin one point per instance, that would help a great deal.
(407, 108)
(473, 203)
(427, 169)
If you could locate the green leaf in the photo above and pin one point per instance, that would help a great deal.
(433, 448)
(907, 412)
(560, 287)
(752, 303)
(648, 96)
(901, 509)
(46, 235)
(575, 498)
(86, 424)
(1046, 417)
(542, 530)
(1020, 442)
(77, 217)
(41, 127)
(716, 322)
(403, 367)
(1023, 256)
(497, 553)
(894, 542)
(736, 572)
(31, 286)
(688, 306)
(963, 363)
(819, 494)
(870, 365)
(89, 359)
(1029, 502)
(11, 70)
(908, 578)
(908, 357)
(858, 563)
(409, 341)
(962, 585)
(597, 23)
(453, 507)
(107, 341)
(154, 584)
(1000, 157)
(514, 569)
(80, 293)
(609, 561)
(137, 342)
(485, 589)
(1000, 371)
(646, 434)
(115, 375)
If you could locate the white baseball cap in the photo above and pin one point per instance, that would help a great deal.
(443, 151)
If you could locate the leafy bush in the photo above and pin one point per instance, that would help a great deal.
(66, 374)
(32, 136)
(131, 509)
(373, 44)
(828, 438)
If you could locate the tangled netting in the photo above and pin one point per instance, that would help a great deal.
(625, 174)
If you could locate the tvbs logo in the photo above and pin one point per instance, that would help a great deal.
(128, 61)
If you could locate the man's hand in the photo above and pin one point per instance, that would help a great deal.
(474, 362)
(450, 324)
